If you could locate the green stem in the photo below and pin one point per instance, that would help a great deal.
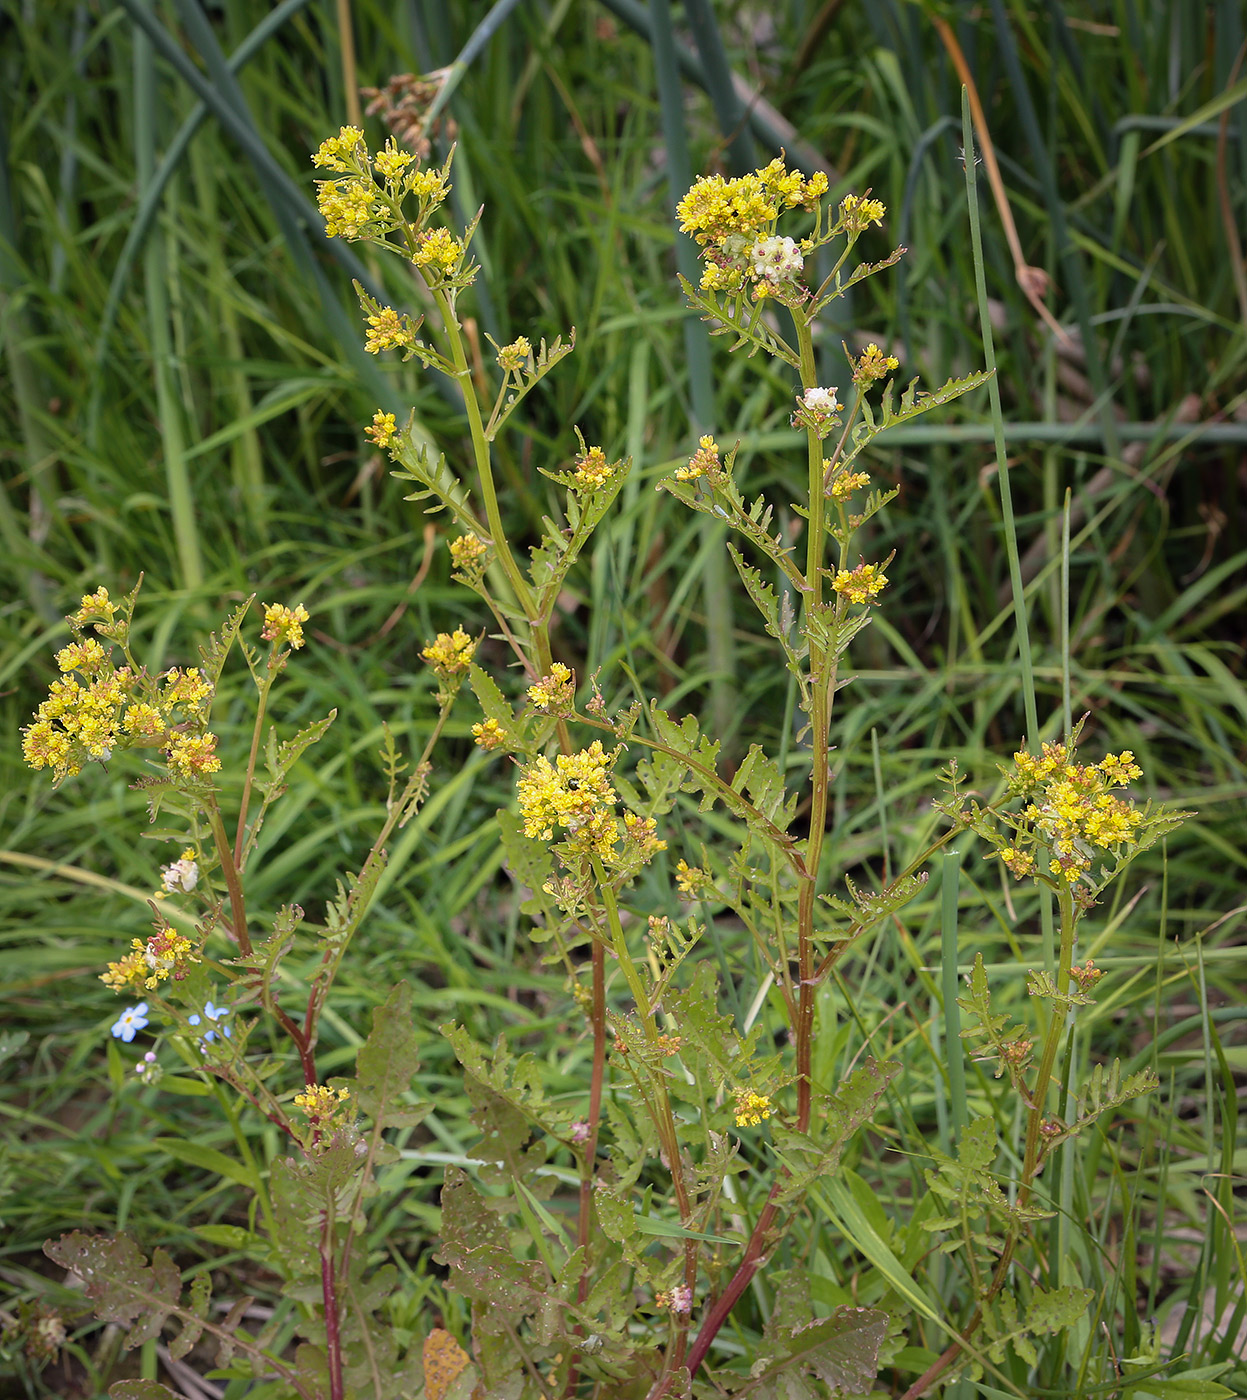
(229, 872)
(249, 778)
(820, 728)
(484, 467)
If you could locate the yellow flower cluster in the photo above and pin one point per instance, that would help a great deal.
(321, 1103)
(466, 553)
(165, 954)
(95, 607)
(283, 624)
(387, 330)
(848, 482)
(873, 365)
(690, 880)
(438, 249)
(1071, 809)
(734, 221)
(489, 734)
(716, 209)
(555, 691)
(341, 152)
(383, 430)
(592, 468)
(751, 1108)
(860, 585)
(429, 186)
(347, 207)
(703, 462)
(193, 755)
(574, 793)
(188, 690)
(76, 723)
(392, 162)
(514, 357)
(857, 213)
(87, 715)
(450, 653)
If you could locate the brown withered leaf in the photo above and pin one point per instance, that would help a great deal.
(444, 1361)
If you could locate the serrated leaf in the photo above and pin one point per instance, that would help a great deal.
(119, 1282)
(1054, 1309)
(842, 1351)
(142, 1390)
(812, 1155)
(214, 652)
(387, 1061)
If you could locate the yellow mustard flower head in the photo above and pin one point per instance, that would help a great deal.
(860, 585)
(574, 793)
(467, 553)
(514, 357)
(873, 365)
(193, 755)
(847, 482)
(751, 1108)
(388, 330)
(321, 1104)
(341, 152)
(592, 468)
(450, 653)
(489, 734)
(283, 624)
(555, 691)
(703, 462)
(383, 429)
(857, 213)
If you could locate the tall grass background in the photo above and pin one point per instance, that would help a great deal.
(183, 392)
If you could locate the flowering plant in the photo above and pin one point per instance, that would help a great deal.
(694, 1141)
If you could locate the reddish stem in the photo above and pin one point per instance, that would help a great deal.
(329, 1294)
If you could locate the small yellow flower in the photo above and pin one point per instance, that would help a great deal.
(555, 691)
(489, 734)
(193, 755)
(335, 152)
(858, 213)
(321, 1104)
(383, 430)
(392, 162)
(283, 624)
(703, 462)
(439, 249)
(848, 482)
(85, 656)
(860, 585)
(751, 1108)
(514, 357)
(575, 793)
(1019, 863)
(95, 606)
(873, 365)
(592, 468)
(429, 186)
(187, 689)
(387, 330)
(144, 720)
(450, 653)
(690, 880)
(347, 207)
(128, 973)
(467, 553)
